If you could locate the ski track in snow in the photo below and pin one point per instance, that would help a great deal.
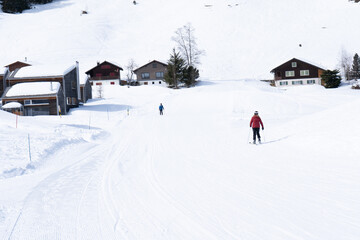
(146, 179)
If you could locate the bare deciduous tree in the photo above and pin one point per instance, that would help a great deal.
(187, 45)
(130, 67)
(345, 63)
(100, 91)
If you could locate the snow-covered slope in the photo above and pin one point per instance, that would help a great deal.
(100, 173)
(242, 38)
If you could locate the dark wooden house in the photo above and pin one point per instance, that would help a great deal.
(68, 79)
(3, 76)
(85, 91)
(297, 72)
(151, 73)
(105, 73)
(37, 98)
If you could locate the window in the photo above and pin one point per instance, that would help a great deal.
(159, 74)
(74, 102)
(112, 74)
(310, 81)
(36, 102)
(106, 66)
(68, 100)
(283, 83)
(145, 83)
(40, 101)
(112, 83)
(145, 75)
(154, 65)
(153, 82)
(98, 75)
(98, 83)
(297, 82)
(294, 64)
(159, 82)
(290, 73)
(304, 73)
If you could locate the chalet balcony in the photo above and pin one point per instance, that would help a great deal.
(104, 78)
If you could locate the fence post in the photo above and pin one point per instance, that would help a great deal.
(29, 146)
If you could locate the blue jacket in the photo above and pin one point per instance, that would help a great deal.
(161, 107)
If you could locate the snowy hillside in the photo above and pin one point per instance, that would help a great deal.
(242, 38)
(100, 173)
(114, 169)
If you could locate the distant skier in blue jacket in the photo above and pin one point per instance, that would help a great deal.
(161, 108)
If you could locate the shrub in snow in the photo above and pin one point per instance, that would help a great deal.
(18, 6)
(331, 78)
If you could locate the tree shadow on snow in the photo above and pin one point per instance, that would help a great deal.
(56, 4)
(105, 107)
(204, 83)
(276, 140)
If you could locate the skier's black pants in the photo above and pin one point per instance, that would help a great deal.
(256, 132)
(161, 112)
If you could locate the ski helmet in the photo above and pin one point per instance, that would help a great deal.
(256, 113)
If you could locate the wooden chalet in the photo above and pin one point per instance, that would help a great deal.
(68, 79)
(151, 73)
(37, 98)
(17, 65)
(297, 72)
(105, 73)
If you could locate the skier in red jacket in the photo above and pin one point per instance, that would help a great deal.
(255, 124)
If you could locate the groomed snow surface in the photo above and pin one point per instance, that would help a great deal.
(101, 173)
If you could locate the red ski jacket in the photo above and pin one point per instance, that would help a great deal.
(255, 122)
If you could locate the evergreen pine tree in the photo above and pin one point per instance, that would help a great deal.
(175, 69)
(190, 75)
(356, 66)
(331, 78)
(40, 1)
(14, 6)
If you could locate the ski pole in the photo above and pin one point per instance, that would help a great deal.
(264, 135)
(248, 135)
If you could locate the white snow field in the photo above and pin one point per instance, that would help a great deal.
(241, 38)
(100, 173)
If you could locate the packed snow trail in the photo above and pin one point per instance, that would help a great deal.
(190, 173)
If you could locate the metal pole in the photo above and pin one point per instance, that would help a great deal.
(89, 120)
(29, 147)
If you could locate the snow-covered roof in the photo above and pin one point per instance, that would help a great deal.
(12, 105)
(2, 70)
(34, 88)
(100, 63)
(312, 63)
(83, 78)
(303, 60)
(161, 62)
(44, 70)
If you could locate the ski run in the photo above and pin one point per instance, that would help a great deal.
(101, 173)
